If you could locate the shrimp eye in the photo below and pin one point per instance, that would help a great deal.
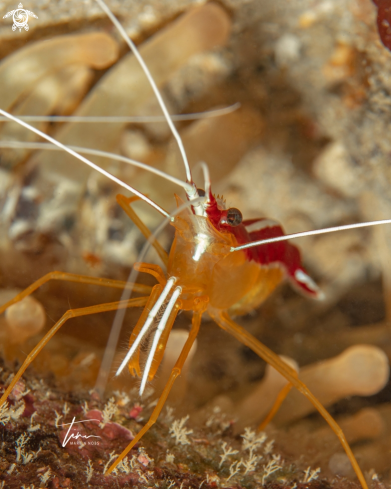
(201, 192)
(233, 217)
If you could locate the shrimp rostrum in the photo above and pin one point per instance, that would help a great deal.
(218, 264)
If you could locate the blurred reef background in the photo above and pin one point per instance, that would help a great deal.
(309, 146)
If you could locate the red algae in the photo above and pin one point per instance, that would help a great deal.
(33, 447)
(384, 21)
(89, 436)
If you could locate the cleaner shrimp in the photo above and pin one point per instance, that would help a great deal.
(218, 235)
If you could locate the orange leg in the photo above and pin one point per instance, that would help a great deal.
(162, 399)
(81, 279)
(226, 323)
(134, 362)
(276, 406)
(72, 313)
(153, 270)
(125, 202)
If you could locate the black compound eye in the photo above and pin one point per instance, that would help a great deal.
(234, 217)
(201, 192)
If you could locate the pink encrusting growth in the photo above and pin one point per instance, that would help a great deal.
(384, 21)
(283, 254)
(93, 427)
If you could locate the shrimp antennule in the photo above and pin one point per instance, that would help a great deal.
(139, 119)
(86, 161)
(95, 152)
(190, 194)
(310, 233)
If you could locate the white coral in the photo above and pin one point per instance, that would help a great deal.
(8, 413)
(45, 477)
(233, 469)
(33, 427)
(311, 475)
(272, 466)
(252, 440)
(179, 432)
(227, 452)
(89, 470)
(108, 412)
(251, 463)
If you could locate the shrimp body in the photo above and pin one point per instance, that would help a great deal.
(203, 274)
(239, 282)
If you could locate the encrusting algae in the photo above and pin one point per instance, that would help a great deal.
(43, 436)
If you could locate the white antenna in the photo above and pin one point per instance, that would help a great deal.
(137, 119)
(95, 152)
(175, 133)
(84, 160)
(207, 180)
(310, 233)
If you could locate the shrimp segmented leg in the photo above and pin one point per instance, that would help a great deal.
(73, 277)
(196, 321)
(71, 313)
(226, 323)
(276, 406)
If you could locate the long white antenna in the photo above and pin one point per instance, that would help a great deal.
(311, 233)
(84, 160)
(95, 152)
(137, 119)
(207, 181)
(175, 133)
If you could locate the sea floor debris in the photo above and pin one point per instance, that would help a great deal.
(44, 444)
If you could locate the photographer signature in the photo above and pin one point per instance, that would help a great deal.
(69, 436)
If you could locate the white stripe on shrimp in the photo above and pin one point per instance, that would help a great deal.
(151, 316)
(159, 331)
